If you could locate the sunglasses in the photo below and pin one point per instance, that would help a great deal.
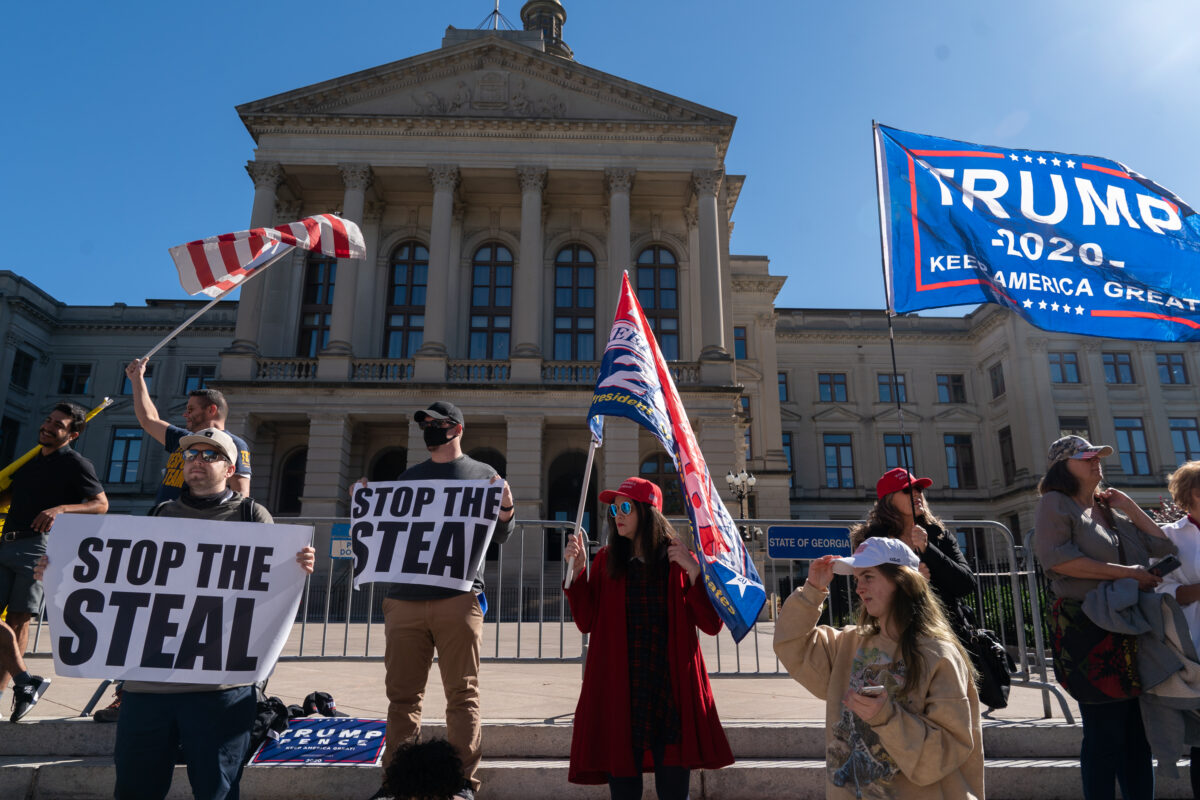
(207, 456)
(435, 423)
(624, 508)
(913, 489)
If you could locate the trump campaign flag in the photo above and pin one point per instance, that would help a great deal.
(634, 382)
(1071, 243)
(215, 265)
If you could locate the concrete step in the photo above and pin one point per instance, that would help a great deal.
(80, 737)
(534, 779)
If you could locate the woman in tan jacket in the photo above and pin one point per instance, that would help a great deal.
(901, 708)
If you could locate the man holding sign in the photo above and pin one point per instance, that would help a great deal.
(428, 532)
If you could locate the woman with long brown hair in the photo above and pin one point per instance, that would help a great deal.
(646, 703)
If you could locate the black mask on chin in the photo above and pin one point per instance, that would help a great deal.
(436, 437)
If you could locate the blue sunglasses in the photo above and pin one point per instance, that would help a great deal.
(625, 507)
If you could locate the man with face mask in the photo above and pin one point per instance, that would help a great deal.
(420, 619)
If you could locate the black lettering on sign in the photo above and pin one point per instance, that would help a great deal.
(389, 530)
(159, 629)
(141, 562)
(127, 604)
(90, 568)
(472, 505)
(239, 637)
(361, 495)
(207, 553)
(259, 569)
(235, 562)
(358, 532)
(116, 547)
(202, 636)
(477, 542)
(172, 557)
(417, 544)
(78, 648)
(450, 551)
(401, 502)
(451, 498)
(425, 496)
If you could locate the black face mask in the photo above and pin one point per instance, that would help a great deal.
(436, 436)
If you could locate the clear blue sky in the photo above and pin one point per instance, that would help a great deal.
(121, 139)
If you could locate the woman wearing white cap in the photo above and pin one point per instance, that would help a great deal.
(1083, 537)
(901, 708)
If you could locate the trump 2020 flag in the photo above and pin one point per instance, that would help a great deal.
(217, 264)
(634, 382)
(1071, 243)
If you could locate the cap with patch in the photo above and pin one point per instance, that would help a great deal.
(894, 480)
(440, 410)
(216, 437)
(639, 489)
(875, 551)
(1075, 447)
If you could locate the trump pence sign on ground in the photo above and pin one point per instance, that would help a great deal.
(433, 533)
(171, 600)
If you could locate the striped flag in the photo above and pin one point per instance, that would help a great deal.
(217, 264)
(635, 382)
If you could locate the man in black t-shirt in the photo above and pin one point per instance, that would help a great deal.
(56, 481)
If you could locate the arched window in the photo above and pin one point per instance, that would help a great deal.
(316, 305)
(491, 302)
(658, 292)
(291, 481)
(574, 304)
(493, 458)
(389, 464)
(404, 326)
(564, 485)
(660, 469)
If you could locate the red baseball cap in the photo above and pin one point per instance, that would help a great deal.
(899, 478)
(639, 489)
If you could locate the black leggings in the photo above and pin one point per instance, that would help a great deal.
(671, 783)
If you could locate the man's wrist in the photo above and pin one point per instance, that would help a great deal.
(506, 509)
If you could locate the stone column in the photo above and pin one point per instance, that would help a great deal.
(1158, 428)
(769, 427)
(524, 455)
(1100, 418)
(431, 358)
(327, 476)
(619, 458)
(335, 358)
(692, 327)
(707, 185)
(367, 339)
(267, 175)
(527, 287)
(618, 181)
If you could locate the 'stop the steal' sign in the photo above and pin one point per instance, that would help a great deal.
(171, 600)
(433, 533)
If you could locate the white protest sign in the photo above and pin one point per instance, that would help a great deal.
(433, 533)
(169, 599)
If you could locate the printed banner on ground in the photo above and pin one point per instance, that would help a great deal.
(434, 533)
(171, 600)
(1071, 243)
(341, 742)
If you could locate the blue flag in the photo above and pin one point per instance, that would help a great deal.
(1071, 243)
(635, 382)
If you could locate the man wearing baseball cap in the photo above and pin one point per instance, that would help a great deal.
(420, 619)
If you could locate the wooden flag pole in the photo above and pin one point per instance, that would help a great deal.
(587, 479)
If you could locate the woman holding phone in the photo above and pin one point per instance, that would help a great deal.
(1084, 536)
(646, 704)
(901, 708)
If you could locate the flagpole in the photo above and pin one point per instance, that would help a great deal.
(212, 303)
(587, 479)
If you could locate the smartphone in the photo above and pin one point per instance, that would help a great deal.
(1168, 564)
(872, 691)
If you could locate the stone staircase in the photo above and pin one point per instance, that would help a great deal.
(55, 759)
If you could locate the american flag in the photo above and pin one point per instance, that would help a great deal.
(217, 264)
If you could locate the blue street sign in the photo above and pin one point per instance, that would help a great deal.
(800, 542)
(339, 541)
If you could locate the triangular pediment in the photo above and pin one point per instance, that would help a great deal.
(789, 416)
(485, 78)
(892, 414)
(958, 414)
(836, 414)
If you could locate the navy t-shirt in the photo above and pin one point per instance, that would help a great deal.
(172, 482)
(62, 478)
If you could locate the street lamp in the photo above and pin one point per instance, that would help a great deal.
(740, 485)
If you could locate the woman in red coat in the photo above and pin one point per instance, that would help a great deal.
(646, 703)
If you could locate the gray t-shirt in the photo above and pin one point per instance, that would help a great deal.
(1065, 530)
(463, 468)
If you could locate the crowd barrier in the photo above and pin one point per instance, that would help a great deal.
(528, 618)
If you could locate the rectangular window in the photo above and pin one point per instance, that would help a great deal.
(898, 450)
(839, 461)
(951, 388)
(996, 377)
(197, 376)
(739, 342)
(1064, 367)
(1131, 444)
(891, 388)
(127, 385)
(789, 455)
(832, 386)
(1008, 462)
(22, 369)
(1074, 426)
(1185, 439)
(783, 389)
(960, 461)
(124, 454)
(1171, 368)
(747, 442)
(74, 378)
(1118, 367)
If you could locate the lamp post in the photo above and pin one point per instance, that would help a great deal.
(741, 484)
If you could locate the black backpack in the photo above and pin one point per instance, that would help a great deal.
(246, 508)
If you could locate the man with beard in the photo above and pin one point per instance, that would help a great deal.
(56, 481)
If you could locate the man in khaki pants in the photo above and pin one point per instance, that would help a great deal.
(420, 619)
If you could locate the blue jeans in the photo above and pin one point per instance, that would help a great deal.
(1115, 748)
(211, 729)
